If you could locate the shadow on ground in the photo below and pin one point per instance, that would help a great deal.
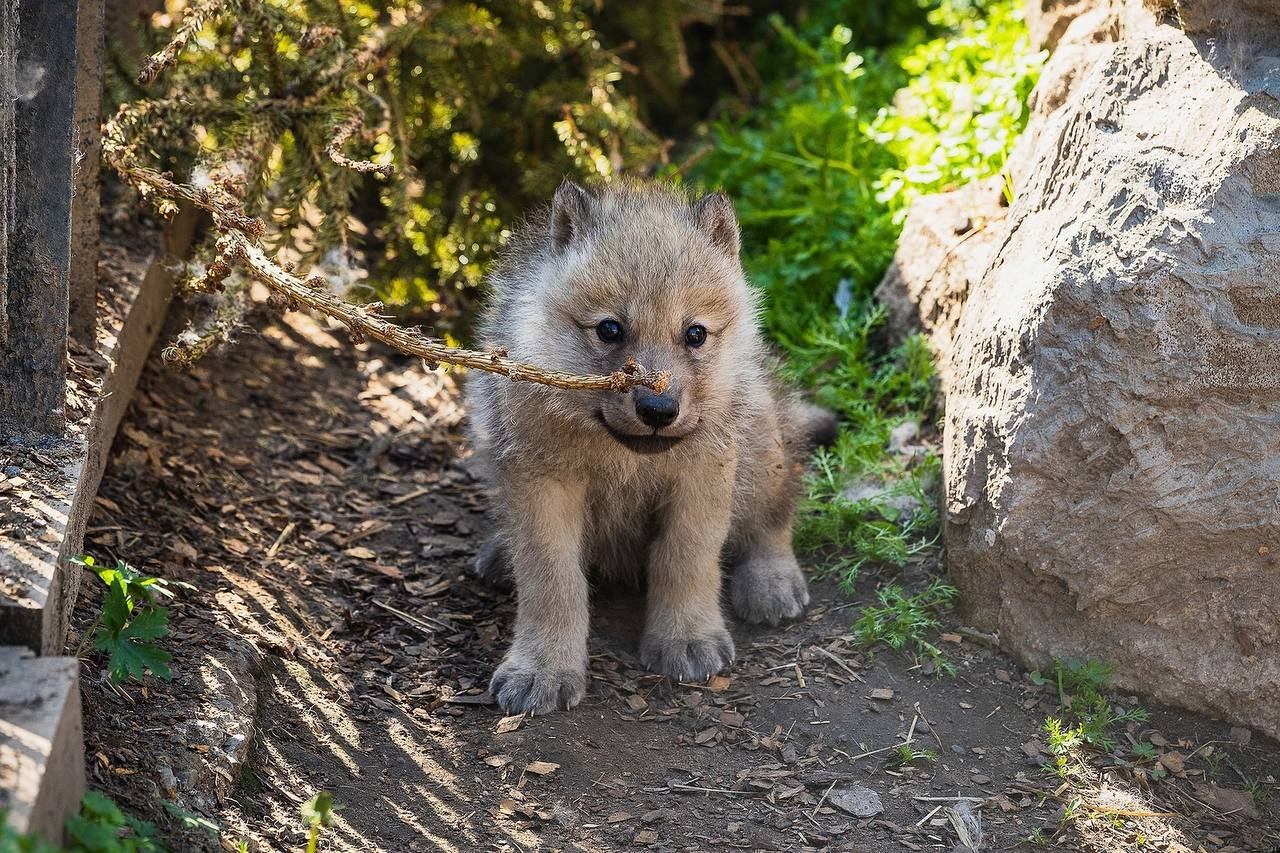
(319, 498)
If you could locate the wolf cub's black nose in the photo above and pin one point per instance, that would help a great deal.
(657, 410)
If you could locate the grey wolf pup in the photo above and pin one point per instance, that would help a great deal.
(664, 487)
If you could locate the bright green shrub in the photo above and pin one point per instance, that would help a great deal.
(821, 172)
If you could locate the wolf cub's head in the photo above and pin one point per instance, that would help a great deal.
(634, 271)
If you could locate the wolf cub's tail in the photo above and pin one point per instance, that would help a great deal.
(811, 424)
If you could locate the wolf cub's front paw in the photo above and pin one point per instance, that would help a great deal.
(523, 686)
(769, 590)
(687, 658)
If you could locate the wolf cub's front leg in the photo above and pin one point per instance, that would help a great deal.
(545, 668)
(685, 635)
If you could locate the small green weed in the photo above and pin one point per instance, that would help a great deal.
(1037, 838)
(907, 754)
(131, 617)
(1145, 750)
(1258, 791)
(100, 827)
(1080, 685)
(901, 621)
(317, 812)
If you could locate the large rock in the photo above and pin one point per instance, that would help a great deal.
(1112, 442)
(947, 242)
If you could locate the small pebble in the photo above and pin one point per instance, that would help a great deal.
(12, 470)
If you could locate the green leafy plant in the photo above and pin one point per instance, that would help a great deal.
(317, 812)
(858, 121)
(131, 617)
(99, 827)
(958, 118)
(1080, 697)
(103, 828)
(907, 754)
(900, 620)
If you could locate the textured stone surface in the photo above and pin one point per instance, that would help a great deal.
(1112, 443)
(33, 354)
(83, 274)
(946, 244)
(41, 742)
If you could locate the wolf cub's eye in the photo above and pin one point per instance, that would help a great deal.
(609, 331)
(695, 335)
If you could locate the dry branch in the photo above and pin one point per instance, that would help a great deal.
(364, 321)
(237, 242)
(193, 21)
(345, 131)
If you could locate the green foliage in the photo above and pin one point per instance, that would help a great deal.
(820, 173)
(958, 118)
(907, 754)
(100, 827)
(901, 621)
(317, 812)
(482, 107)
(1089, 717)
(131, 616)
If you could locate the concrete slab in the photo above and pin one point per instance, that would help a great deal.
(46, 496)
(41, 741)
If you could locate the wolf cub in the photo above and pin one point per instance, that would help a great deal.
(664, 487)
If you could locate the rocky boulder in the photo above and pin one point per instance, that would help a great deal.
(1112, 440)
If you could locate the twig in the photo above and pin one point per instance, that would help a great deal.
(345, 131)
(362, 321)
(933, 812)
(839, 663)
(237, 242)
(282, 538)
(417, 622)
(950, 799)
(821, 801)
(192, 22)
(677, 786)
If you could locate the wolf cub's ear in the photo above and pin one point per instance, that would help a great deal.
(714, 215)
(569, 211)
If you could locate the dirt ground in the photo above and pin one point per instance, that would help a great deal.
(319, 498)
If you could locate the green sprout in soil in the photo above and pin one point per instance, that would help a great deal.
(903, 621)
(131, 617)
(908, 755)
(317, 812)
(1088, 716)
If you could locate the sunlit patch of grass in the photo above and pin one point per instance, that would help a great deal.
(821, 173)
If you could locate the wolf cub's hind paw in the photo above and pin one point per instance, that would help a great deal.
(522, 687)
(492, 565)
(769, 591)
(688, 659)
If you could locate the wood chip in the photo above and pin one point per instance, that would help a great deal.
(509, 724)
(541, 768)
(884, 694)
